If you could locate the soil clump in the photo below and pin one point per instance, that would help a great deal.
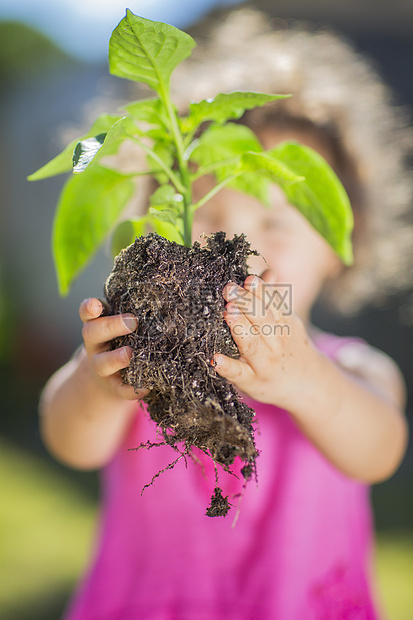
(176, 294)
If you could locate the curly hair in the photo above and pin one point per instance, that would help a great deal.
(339, 95)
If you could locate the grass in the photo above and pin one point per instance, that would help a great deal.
(46, 528)
(394, 568)
(47, 525)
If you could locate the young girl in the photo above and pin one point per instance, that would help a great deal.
(329, 409)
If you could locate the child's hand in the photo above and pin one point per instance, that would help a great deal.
(276, 352)
(104, 364)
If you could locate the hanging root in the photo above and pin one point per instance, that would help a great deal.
(170, 466)
(216, 474)
(198, 462)
(239, 496)
(148, 445)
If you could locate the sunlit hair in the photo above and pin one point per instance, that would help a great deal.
(339, 95)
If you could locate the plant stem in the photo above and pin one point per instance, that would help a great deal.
(183, 165)
(171, 176)
(214, 191)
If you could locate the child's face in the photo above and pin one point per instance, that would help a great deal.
(292, 248)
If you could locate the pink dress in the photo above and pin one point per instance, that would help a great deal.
(300, 549)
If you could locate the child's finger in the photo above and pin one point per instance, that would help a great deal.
(236, 371)
(90, 308)
(124, 390)
(265, 292)
(110, 362)
(254, 299)
(247, 335)
(255, 303)
(107, 328)
(127, 392)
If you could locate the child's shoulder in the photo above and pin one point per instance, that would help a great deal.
(356, 356)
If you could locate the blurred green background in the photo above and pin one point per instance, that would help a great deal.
(48, 512)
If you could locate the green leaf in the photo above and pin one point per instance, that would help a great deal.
(126, 232)
(163, 215)
(220, 149)
(223, 145)
(89, 151)
(146, 51)
(167, 230)
(89, 206)
(64, 161)
(321, 198)
(158, 134)
(162, 195)
(121, 130)
(224, 107)
(165, 195)
(151, 111)
(85, 152)
(268, 166)
(166, 204)
(254, 185)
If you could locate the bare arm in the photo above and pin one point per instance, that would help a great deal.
(353, 412)
(85, 408)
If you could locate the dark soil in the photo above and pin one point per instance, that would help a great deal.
(176, 294)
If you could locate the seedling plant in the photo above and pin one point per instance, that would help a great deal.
(156, 259)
